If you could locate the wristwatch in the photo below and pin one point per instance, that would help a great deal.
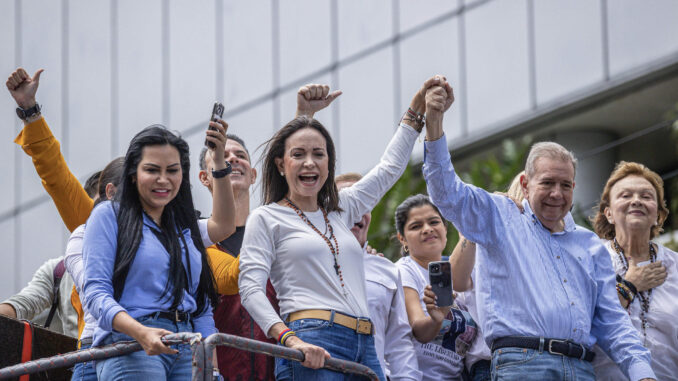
(222, 172)
(27, 113)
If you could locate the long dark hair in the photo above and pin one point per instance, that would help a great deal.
(178, 215)
(402, 213)
(274, 186)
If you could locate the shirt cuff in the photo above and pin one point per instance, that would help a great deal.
(109, 316)
(409, 128)
(640, 370)
(436, 151)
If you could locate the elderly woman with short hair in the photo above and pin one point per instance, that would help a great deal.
(631, 213)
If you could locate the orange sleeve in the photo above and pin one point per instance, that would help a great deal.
(226, 270)
(70, 198)
(77, 306)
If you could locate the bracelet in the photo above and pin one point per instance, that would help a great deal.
(625, 292)
(418, 119)
(631, 286)
(284, 335)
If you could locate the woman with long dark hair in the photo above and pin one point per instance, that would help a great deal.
(146, 271)
(301, 239)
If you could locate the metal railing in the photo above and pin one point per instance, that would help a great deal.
(202, 355)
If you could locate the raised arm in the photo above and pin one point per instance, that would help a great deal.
(477, 214)
(364, 195)
(221, 223)
(36, 139)
(462, 261)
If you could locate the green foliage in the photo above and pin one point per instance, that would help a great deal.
(493, 173)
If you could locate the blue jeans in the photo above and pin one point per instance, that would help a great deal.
(528, 364)
(341, 342)
(84, 371)
(139, 366)
(480, 371)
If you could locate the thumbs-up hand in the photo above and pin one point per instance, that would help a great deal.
(23, 87)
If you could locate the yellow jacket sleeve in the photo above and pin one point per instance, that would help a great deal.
(70, 198)
(226, 270)
(77, 306)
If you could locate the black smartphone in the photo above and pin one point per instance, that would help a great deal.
(440, 276)
(217, 113)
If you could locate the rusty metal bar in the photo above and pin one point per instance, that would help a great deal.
(96, 353)
(238, 342)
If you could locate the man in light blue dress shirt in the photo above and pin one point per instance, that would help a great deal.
(539, 275)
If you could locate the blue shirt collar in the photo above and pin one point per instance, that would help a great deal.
(570, 226)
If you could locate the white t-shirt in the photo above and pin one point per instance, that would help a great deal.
(662, 322)
(443, 357)
(280, 245)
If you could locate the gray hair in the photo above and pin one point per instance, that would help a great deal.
(549, 150)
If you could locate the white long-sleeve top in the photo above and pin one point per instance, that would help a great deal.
(76, 269)
(662, 326)
(392, 331)
(279, 245)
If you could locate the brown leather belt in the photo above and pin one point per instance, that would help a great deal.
(362, 326)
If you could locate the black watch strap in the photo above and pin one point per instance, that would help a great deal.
(222, 172)
(27, 113)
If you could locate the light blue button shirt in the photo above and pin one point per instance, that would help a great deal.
(531, 282)
(144, 291)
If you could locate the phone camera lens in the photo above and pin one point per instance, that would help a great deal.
(435, 268)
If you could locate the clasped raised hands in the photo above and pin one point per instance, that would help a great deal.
(23, 87)
(312, 98)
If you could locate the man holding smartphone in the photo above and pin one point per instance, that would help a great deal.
(545, 286)
(230, 316)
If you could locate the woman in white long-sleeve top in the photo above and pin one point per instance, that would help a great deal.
(301, 239)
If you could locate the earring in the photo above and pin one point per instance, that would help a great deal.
(406, 250)
(282, 174)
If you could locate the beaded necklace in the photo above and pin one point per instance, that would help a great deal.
(644, 299)
(334, 249)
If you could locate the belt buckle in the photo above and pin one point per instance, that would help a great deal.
(176, 316)
(556, 341)
(363, 326)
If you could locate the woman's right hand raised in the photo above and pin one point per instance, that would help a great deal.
(314, 356)
(150, 340)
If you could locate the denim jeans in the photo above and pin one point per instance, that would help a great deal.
(480, 371)
(139, 366)
(341, 342)
(84, 371)
(528, 364)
